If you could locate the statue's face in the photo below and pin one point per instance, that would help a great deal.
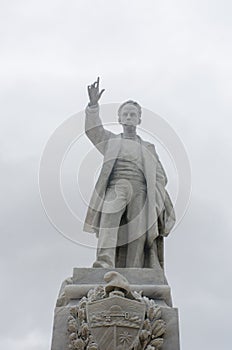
(129, 115)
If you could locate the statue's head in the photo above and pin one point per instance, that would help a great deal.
(129, 113)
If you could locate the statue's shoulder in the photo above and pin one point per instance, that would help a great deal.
(146, 143)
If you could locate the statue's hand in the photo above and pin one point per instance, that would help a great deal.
(93, 91)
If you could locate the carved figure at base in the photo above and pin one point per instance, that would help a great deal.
(130, 209)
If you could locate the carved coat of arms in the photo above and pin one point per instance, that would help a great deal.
(115, 322)
(113, 317)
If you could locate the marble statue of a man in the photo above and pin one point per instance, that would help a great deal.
(130, 210)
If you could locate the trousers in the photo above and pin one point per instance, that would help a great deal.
(123, 199)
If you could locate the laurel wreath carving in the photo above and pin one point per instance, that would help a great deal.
(151, 335)
(80, 338)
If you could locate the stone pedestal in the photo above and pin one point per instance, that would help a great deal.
(144, 281)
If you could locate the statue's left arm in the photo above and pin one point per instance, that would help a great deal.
(160, 172)
(166, 211)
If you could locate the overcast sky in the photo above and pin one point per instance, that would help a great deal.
(175, 58)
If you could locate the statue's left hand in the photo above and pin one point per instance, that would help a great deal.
(94, 94)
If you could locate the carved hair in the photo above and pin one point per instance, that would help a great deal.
(130, 102)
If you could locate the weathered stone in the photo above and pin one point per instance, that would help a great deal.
(171, 336)
(151, 291)
(59, 338)
(153, 284)
(64, 329)
(130, 210)
(121, 304)
(133, 275)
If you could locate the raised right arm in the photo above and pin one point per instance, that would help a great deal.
(94, 128)
(93, 125)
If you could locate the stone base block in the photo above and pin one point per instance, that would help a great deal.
(133, 275)
(83, 280)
